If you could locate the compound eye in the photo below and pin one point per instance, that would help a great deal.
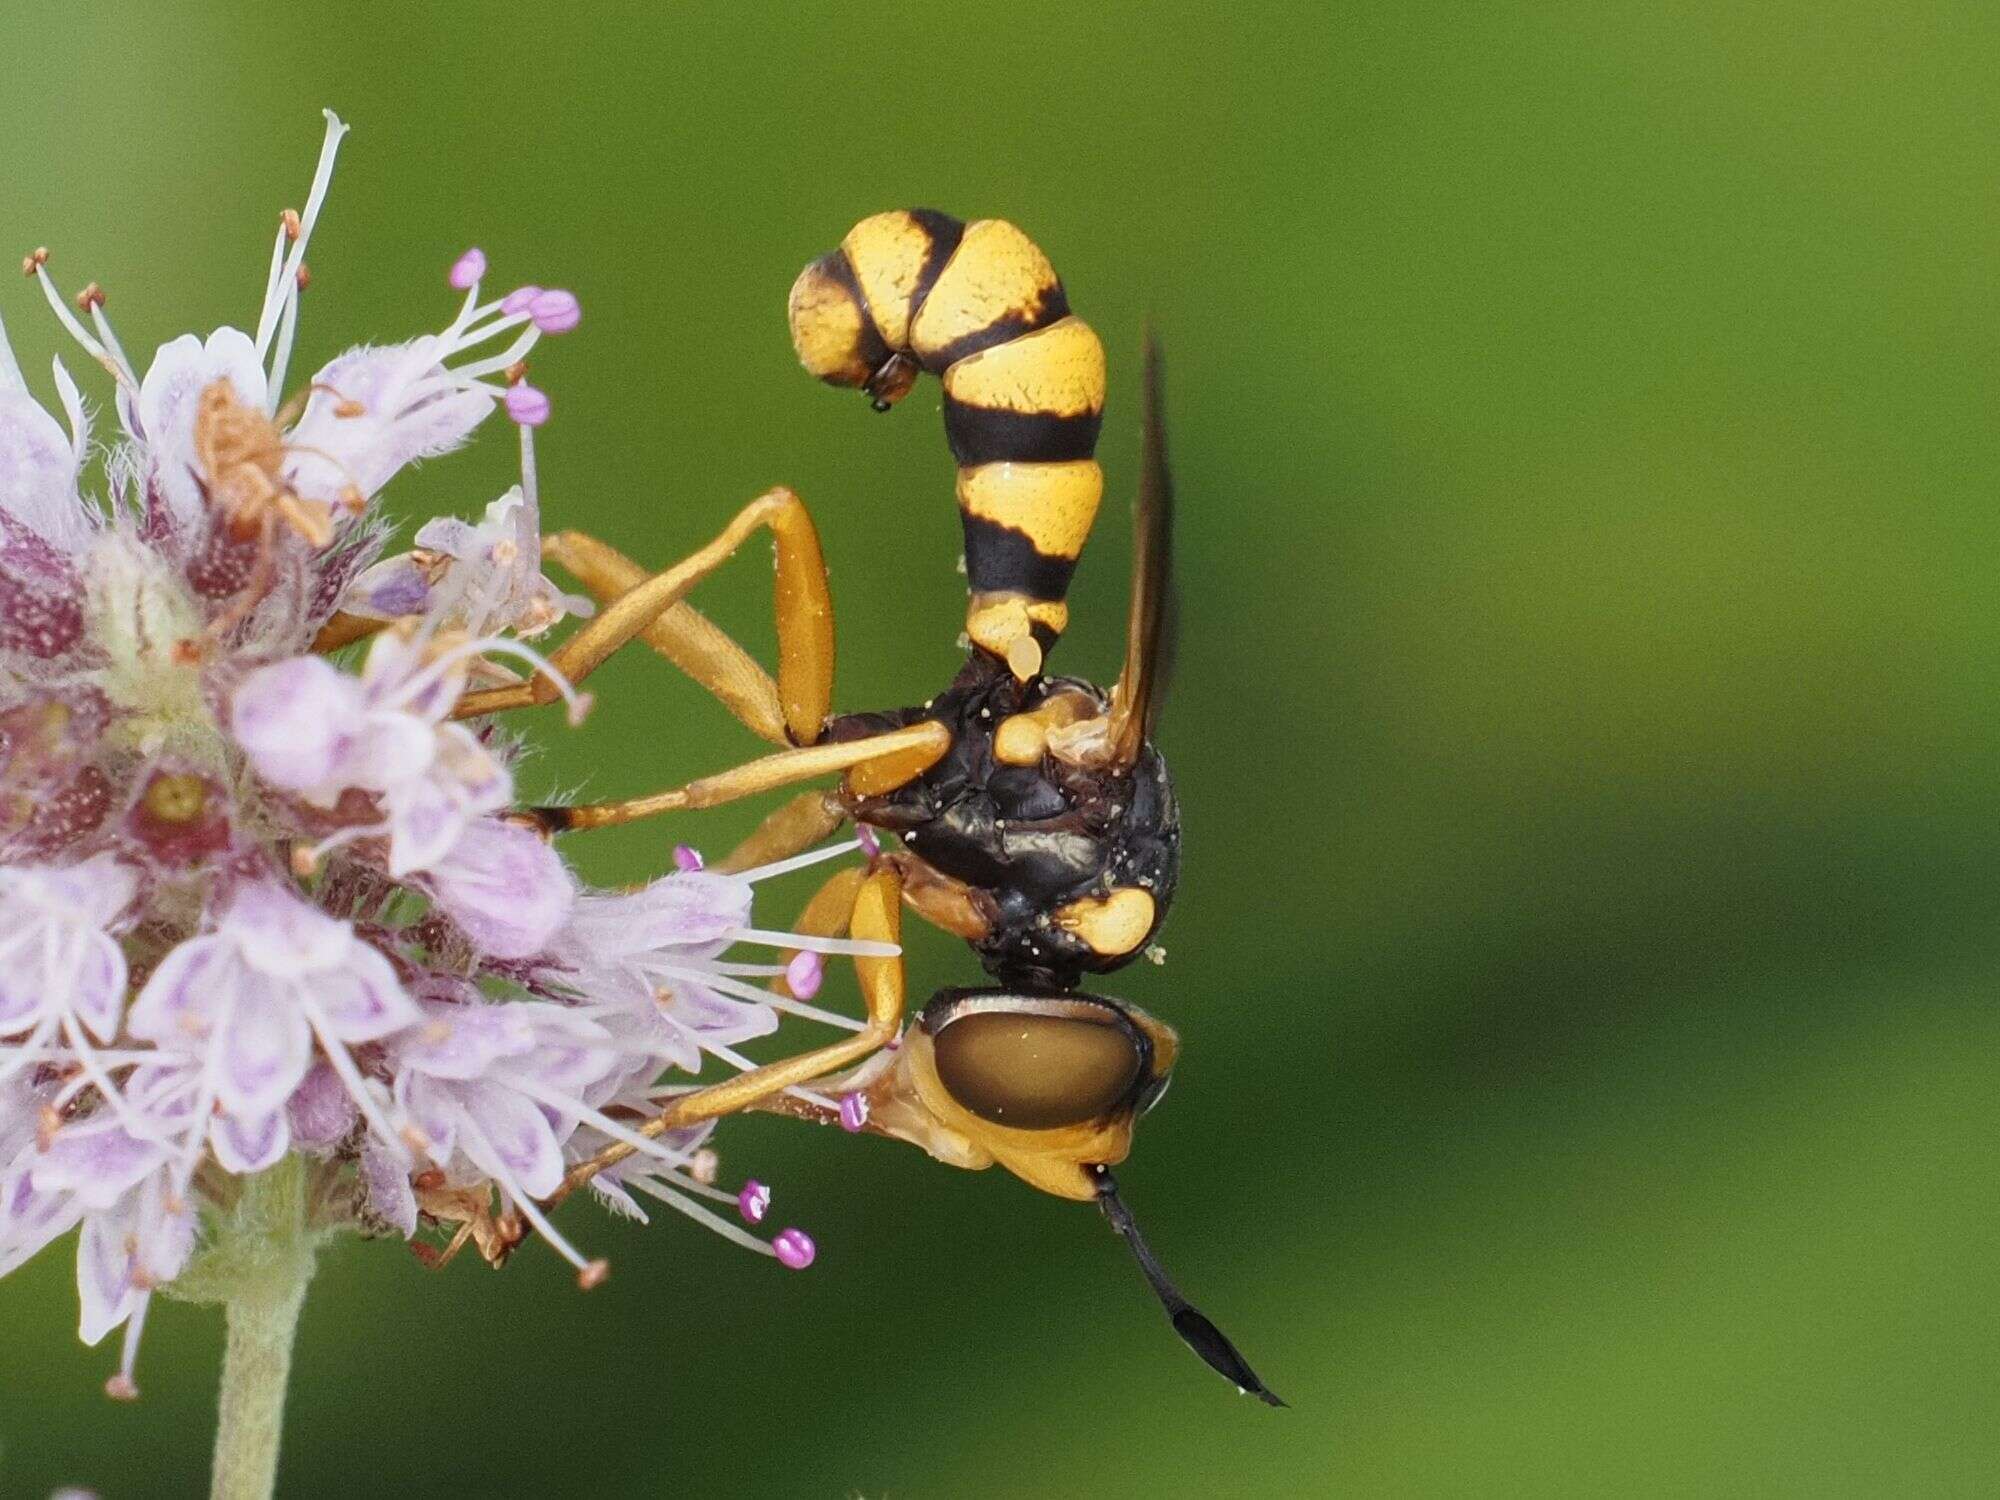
(1035, 1071)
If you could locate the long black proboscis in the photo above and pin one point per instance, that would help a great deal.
(1195, 1330)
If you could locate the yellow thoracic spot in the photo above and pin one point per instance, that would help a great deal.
(1112, 924)
(1022, 739)
(1019, 741)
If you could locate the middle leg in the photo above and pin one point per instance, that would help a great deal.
(803, 605)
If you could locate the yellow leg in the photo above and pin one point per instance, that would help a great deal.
(804, 611)
(941, 900)
(683, 635)
(912, 750)
(829, 913)
(792, 829)
(344, 630)
(877, 915)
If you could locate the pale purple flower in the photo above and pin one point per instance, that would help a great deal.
(129, 1190)
(650, 965)
(61, 971)
(249, 999)
(493, 1091)
(473, 578)
(507, 890)
(39, 461)
(351, 964)
(319, 732)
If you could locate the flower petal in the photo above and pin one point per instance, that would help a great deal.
(363, 1001)
(169, 395)
(249, 1143)
(389, 590)
(388, 1183)
(263, 1050)
(98, 995)
(104, 1275)
(375, 410)
(292, 719)
(519, 1135)
(459, 1041)
(432, 1109)
(38, 469)
(320, 1113)
(281, 936)
(505, 888)
(187, 992)
(425, 821)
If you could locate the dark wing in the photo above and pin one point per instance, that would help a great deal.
(1149, 628)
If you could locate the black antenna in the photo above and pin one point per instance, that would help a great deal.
(1196, 1331)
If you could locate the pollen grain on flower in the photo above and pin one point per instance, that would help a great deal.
(257, 904)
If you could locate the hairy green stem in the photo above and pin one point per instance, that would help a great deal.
(251, 1409)
(257, 1266)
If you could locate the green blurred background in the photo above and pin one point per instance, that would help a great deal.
(1585, 419)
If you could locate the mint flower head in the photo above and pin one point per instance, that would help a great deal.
(273, 948)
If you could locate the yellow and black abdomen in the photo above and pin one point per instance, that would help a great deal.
(980, 306)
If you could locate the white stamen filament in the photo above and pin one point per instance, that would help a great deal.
(76, 330)
(357, 1087)
(848, 947)
(94, 1070)
(654, 1188)
(799, 861)
(111, 1057)
(422, 682)
(468, 310)
(102, 322)
(128, 1355)
(712, 980)
(493, 364)
(31, 1050)
(479, 1146)
(287, 287)
(556, 1099)
(686, 1184)
(288, 327)
(351, 834)
(271, 277)
(462, 336)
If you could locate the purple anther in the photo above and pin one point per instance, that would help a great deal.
(555, 311)
(468, 268)
(517, 300)
(526, 405)
(853, 1112)
(795, 1248)
(804, 973)
(687, 858)
(753, 1202)
(870, 845)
